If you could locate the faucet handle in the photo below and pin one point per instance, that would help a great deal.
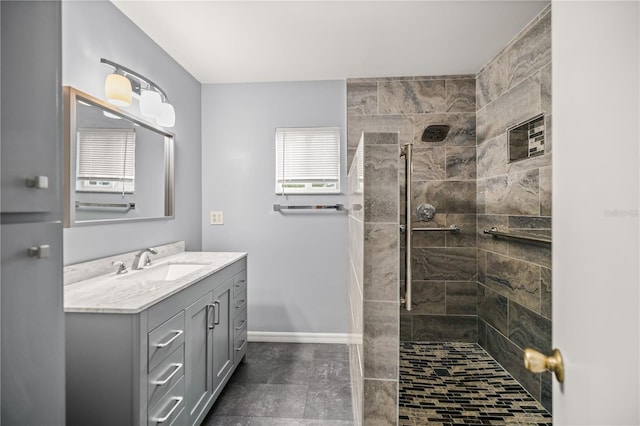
(122, 268)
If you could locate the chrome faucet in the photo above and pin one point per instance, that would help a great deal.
(142, 258)
(122, 268)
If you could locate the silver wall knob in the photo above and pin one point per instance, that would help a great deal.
(40, 252)
(38, 182)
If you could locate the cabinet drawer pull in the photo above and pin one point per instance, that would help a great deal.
(176, 368)
(38, 182)
(240, 283)
(178, 400)
(241, 347)
(240, 303)
(40, 252)
(241, 325)
(168, 342)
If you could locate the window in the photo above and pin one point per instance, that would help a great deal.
(308, 160)
(106, 160)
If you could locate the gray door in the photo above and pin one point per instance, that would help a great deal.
(31, 105)
(198, 357)
(222, 335)
(32, 326)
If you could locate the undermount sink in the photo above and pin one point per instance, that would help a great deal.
(164, 272)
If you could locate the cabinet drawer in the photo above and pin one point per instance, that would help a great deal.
(240, 346)
(240, 323)
(165, 375)
(165, 339)
(239, 283)
(240, 305)
(169, 408)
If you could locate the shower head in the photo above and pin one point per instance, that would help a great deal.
(435, 132)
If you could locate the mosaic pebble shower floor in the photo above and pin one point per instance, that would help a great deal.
(459, 383)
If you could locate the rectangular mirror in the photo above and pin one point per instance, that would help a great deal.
(117, 167)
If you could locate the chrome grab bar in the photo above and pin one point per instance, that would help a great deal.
(454, 229)
(279, 207)
(407, 152)
(497, 233)
(128, 206)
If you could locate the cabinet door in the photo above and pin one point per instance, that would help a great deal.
(32, 357)
(222, 335)
(31, 105)
(198, 357)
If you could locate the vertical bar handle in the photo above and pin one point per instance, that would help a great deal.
(217, 312)
(210, 325)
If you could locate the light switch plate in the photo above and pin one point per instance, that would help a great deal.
(216, 218)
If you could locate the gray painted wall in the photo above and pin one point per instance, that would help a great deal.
(297, 261)
(97, 29)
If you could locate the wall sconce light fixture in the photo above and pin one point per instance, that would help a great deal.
(154, 103)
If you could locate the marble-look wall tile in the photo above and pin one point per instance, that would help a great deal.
(429, 239)
(493, 309)
(529, 222)
(529, 251)
(545, 89)
(460, 95)
(380, 262)
(515, 279)
(380, 340)
(461, 133)
(510, 357)
(401, 124)
(530, 52)
(446, 196)
(381, 183)
(492, 157)
(448, 264)
(462, 298)
(481, 196)
(380, 138)
(481, 257)
(545, 191)
(515, 193)
(530, 163)
(518, 104)
(467, 235)
(380, 403)
(411, 97)
(405, 325)
(546, 391)
(488, 242)
(492, 81)
(362, 98)
(428, 164)
(437, 328)
(528, 329)
(428, 297)
(545, 292)
(482, 332)
(461, 163)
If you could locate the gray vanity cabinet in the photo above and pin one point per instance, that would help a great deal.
(198, 354)
(163, 366)
(222, 336)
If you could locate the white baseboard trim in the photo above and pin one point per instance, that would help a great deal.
(287, 337)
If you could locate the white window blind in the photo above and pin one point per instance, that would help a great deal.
(106, 160)
(308, 160)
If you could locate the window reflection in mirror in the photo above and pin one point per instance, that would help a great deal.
(119, 167)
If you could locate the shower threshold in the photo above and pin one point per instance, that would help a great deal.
(460, 383)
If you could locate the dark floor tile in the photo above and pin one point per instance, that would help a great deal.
(309, 371)
(329, 402)
(227, 421)
(268, 421)
(262, 400)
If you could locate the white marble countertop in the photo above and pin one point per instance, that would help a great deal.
(130, 294)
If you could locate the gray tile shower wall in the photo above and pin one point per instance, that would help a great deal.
(444, 174)
(514, 277)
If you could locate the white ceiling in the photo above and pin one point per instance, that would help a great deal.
(260, 41)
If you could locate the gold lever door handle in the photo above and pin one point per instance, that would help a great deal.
(537, 362)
